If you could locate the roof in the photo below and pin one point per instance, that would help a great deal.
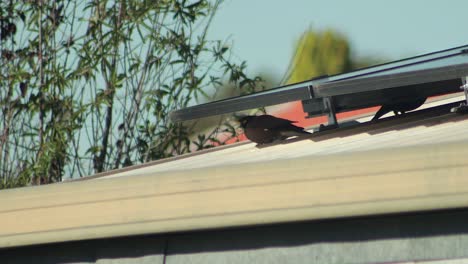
(399, 164)
(416, 129)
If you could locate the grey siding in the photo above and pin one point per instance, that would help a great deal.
(383, 239)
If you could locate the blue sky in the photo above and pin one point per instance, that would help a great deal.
(264, 32)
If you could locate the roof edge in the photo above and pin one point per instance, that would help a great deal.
(365, 183)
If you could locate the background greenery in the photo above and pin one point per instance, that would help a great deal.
(324, 52)
(86, 86)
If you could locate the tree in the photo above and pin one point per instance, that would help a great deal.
(324, 53)
(87, 86)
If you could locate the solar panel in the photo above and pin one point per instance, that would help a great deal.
(421, 76)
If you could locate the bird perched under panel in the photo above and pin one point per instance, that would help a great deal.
(400, 107)
(266, 128)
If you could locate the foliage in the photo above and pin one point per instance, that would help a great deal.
(321, 53)
(86, 86)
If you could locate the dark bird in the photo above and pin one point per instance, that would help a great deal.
(400, 107)
(266, 128)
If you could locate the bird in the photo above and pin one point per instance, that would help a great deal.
(399, 107)
(264, 129)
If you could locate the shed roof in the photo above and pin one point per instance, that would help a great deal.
(419, 128)
(399, 164)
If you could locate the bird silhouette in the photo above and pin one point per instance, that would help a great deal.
(399, 107)
(264, 129)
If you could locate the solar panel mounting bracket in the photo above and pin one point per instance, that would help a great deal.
(321, 106)
(463, 107)
(329, 109)
(464, 87)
